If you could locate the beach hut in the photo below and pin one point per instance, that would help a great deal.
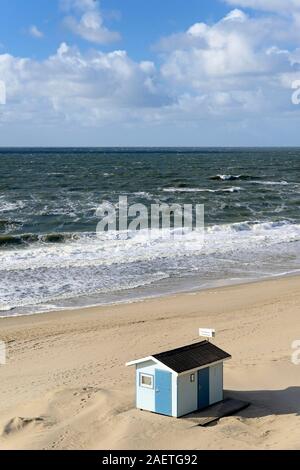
(181, 381)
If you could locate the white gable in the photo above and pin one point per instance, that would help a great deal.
(147, 359)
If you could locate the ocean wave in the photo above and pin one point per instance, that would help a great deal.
(77, 289)
(56, 175)
(28, 238)
(113, 247)
(139, 236)
(5, 308)
(231, 177)
(234, 189)
(253, 226)
(6, 206)
(271, 183)
(7, 225)
(143, 195)
(83, 264)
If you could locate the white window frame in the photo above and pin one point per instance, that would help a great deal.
(149, 376)
(193, 378)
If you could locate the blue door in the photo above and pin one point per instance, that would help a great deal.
(203, 388)
(163, 392)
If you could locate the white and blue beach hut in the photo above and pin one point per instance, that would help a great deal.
(181, 381)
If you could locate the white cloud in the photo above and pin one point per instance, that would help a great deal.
(81, 5)
(86, 21)
(89, 88)
(279, 6)
(236, 15)
(239, 69)
(232, 47)
(284, 8)
(35, 32)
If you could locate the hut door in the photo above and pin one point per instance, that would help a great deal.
(203, 388)
(163, 392)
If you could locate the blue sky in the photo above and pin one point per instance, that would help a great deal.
(140, 23)
(132, 72)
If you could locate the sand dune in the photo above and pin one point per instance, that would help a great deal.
(65, 385)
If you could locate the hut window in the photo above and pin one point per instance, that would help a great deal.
(146, 380)
(192, 378)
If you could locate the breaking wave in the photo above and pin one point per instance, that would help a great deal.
(48, 217)
(234, 189)
(65, 266)
(232, 177)
(28, 238)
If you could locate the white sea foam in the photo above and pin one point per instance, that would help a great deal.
(88, 265)
(6, 206)
(144, 194)
(233, 189)
(111, 247)
(231, 177)
(5, 308)
(228, 177)
(271, 183)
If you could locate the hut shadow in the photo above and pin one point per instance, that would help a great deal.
(267, 402)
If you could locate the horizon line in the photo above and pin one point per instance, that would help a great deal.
(20, 147)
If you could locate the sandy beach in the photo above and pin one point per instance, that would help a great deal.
(65, 385)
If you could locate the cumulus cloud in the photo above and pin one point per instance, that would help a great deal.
(285, 8)
(235, 47)
(239, 68)
(90, 88)
(86, 20)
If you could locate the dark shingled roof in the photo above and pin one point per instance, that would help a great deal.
(192, 356)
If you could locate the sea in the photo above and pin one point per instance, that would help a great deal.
(51, 257)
